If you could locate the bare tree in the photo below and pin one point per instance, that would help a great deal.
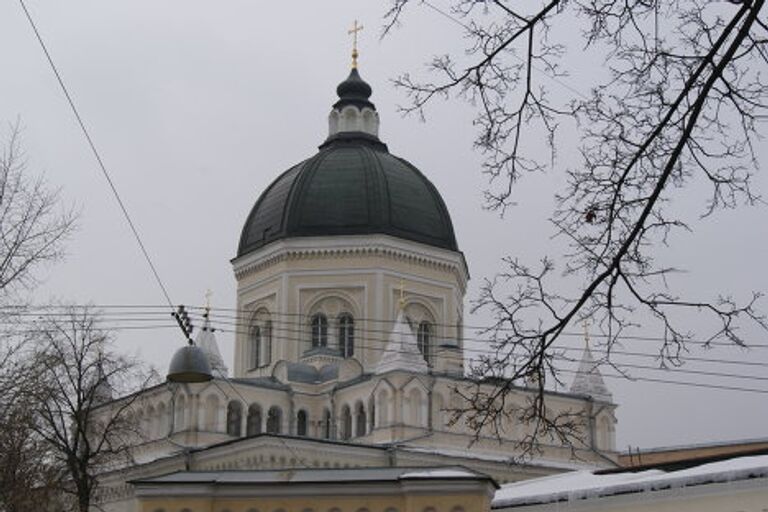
(33, 227)
(86, 430)
(33, 223)
(677, 104)
(28, 475)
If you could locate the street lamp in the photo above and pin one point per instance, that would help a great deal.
(190, 363)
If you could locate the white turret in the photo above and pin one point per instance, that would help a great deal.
(402, 350)
(206, 340)
(588, 380)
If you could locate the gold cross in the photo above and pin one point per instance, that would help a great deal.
(208, 295)
(353, 31)
(586, 332)
(401, 302)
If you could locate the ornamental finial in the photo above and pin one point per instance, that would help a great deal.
(353, 31)
(208, 295)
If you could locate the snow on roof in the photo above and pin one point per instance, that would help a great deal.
(581, 485)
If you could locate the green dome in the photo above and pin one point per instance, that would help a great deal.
(353, 186)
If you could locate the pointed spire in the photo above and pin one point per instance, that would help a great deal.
(206, 340)
(588, 380)
(402, 350)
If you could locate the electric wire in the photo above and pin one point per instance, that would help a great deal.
(292, 331)
(239, 321)
(559, 357)
(96, 154)
(383, 349)
(681, 383)
(290, 334)
(219, 317)
(295, 332)
(115, 322)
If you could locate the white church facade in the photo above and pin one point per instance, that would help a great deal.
(349, 349)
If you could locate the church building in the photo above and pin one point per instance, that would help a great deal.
(349, 357)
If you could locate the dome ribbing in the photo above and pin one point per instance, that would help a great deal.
(352, 186)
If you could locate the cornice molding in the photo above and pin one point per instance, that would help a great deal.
(317, 248)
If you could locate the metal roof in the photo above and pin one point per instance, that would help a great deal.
(352, 186)
(386, 474)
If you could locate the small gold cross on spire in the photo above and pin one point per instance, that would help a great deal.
(401, 302)
(208, 295)
(586, 333)
(353, 31)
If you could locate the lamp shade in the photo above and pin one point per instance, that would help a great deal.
(189, 364)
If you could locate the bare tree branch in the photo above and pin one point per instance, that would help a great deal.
(680, 104)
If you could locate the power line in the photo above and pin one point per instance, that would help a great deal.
(681, 383)
(151, 319)
(384, 349)
(51, 310)
(361, 344)
(96, 154)
(295, 335)
(239, 321)
(137, 313)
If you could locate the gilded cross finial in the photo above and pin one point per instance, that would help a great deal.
(208, 295)
(401, 302)
(586, 333)
(353, 32)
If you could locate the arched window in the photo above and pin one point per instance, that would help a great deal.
(180, 414)
(266, 356)
(274, 420)
(414, 408)
(346, 423)
(148, 428)
(253, 423)
(438, 414)
(360, 421)
(319, 325)
(371, 414)
(347, 335)
(327, 424)
(260, 340)
(162, 420)
(234, 418)
(383, 408)
(211, 413)
(255, 346)
(424, 340)
(301, 423)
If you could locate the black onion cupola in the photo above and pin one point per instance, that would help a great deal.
(354, 91)
(353, 113)
(352, 186)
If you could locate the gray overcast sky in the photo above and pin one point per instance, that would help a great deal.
(196, 107)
